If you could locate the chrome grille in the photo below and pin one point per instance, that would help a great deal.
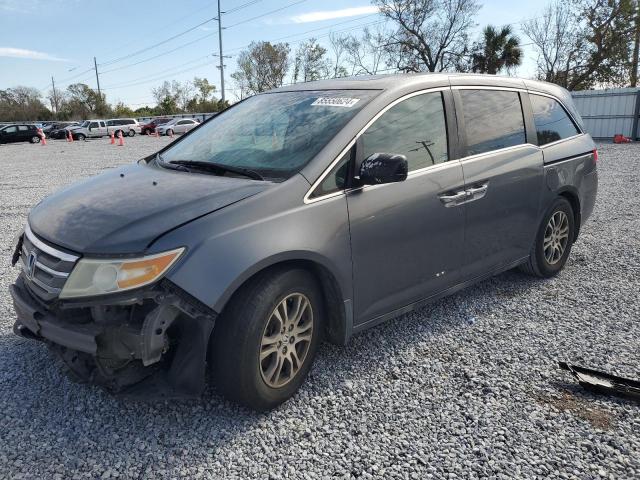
(45, 268)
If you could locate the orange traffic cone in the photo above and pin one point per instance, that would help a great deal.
(43, 139)
(120, 140)
(69, 136)
(171, 132)
(156, 133)
(113, 139)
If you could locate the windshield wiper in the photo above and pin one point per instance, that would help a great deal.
(160, 161)
(217, 168)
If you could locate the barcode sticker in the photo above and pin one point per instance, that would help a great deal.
(335, 102)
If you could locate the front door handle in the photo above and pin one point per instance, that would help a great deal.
(477, 192)
(452, 199)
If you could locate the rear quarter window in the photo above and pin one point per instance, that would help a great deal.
(493, 120)
(551, 119)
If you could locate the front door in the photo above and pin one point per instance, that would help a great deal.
(407, 237)
(504, 178)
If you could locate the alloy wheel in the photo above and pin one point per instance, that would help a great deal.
(286, 340)
(556, 237)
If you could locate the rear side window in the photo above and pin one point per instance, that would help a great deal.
(493, 120)
(552, 121)
(23, 128)
(415, 128)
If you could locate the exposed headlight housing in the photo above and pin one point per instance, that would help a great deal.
(103, 276)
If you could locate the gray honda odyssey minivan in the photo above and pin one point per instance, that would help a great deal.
(309, 212)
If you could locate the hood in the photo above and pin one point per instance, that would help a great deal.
(124, 210)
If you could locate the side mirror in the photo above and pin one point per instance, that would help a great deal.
(382, 168)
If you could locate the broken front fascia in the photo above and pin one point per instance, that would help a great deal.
(602, 382)
(148, 343)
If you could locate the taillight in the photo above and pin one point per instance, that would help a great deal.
(595, 155)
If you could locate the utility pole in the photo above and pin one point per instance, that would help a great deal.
(55, 98)
(221, 57)
(95, 66)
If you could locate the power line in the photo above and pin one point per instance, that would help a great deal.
(267, 13)
(157, 44)
(162, 72)
(240, 7)
(162, 77)
(161, 54)
(366, 24)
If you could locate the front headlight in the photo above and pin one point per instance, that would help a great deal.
(98, 277)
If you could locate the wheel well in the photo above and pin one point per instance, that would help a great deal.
(572, 198)
(336, 325)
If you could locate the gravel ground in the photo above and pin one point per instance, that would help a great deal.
(467, 387)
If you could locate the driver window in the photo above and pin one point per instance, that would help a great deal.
(415, 128)
(93, 125)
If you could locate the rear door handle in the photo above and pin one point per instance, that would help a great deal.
(452, 199)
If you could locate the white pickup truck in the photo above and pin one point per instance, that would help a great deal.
(89, 129)
(102, 128)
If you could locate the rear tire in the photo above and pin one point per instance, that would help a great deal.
(265, 341)
(132, 133)
(553, 242)
(34, 139)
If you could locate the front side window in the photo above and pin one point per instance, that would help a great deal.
(551, 120)
(493, 120)
(415, 128)
(273, 134)
(93, 125)
(336, 179)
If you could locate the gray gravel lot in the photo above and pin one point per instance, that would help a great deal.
(467, 387)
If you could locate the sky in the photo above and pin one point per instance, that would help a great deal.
(135, 51)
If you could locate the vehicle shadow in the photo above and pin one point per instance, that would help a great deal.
(64, 423)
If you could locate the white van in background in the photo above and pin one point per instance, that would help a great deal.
(128, 126)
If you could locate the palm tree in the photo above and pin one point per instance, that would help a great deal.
(497, 50)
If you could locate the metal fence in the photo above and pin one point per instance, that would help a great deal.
(609, 112)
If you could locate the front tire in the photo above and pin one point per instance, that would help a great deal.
(266, 339)
(553, 241)
(81, 136)
(169, 132)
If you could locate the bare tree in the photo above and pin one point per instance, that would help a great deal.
(432, 35)
(339, 50)
(311, 62)
(582, 43)
(261, 67)
(367, 53)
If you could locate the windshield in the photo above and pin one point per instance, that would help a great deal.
(274, 134)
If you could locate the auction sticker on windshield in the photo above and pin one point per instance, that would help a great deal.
(335, 102)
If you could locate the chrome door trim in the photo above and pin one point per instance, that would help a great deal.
(308, 200)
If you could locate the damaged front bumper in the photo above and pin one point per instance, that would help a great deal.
(151, 343)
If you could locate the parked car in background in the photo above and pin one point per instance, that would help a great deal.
(61, 129)
(311, 212)
(177, 125)
(19, 133)
(52, 130)
(90, 129)
(128, 126)
(150, 127)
